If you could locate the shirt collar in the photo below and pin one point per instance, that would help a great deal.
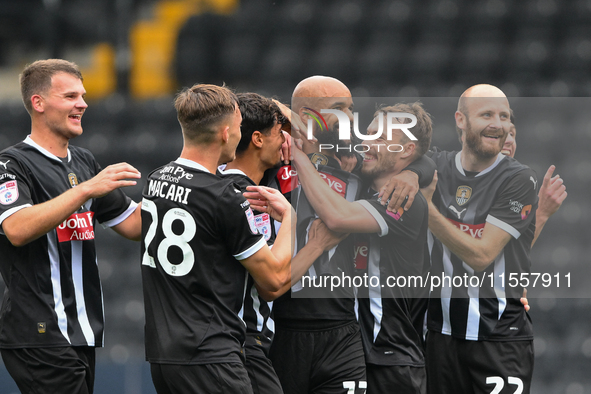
(485, 171)
(192, 164)
(45, 152)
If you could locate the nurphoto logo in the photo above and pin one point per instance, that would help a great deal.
(393, 121)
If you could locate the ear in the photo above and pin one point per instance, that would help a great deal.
(257, 139)
(409, 149)
(226, 134)
(460, 120)
(37, 103)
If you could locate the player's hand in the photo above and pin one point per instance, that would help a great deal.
(286, 155)
(552, 194)
(348, 162)
(403, 187)
(297, 129)
(271, 201)
(323, 237)
(524, 300)
(111, 178)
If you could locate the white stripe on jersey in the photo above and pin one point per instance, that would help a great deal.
(256, 305)
(375, 292)
(54, 260)
(241, 311)
(446, 291)
(473, 318)
(473, 323)
(270, 321)
(78, 281)
(375, 305)
(498, 283)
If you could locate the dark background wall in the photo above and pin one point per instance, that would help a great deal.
(537, 51)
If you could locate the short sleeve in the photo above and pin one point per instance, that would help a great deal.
(114, 208)
(237, 225)
(15, 191)
(406, 224)
(514, 209)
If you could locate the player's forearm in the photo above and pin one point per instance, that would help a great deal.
(472, 251)
(282, 248)
(540, 223)
(30, 223)
(300, 264)
(424, 167)
(327, 204)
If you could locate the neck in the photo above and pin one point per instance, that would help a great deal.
(208, 156)
(50, 141)
(378, 182)
(473, 163)
(249, 164)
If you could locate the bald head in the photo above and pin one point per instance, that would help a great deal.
(481, 90)
(318, 86)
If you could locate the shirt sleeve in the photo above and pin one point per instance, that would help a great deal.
(15, 190)
(113, 208)
(237, 224)
(405, 224)
(514, 209)
(425, 168)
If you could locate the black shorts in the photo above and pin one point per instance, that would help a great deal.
(52, 370)
(396, 379)
(474, 367)
(221, 378)
(325, 360)
(262, 376)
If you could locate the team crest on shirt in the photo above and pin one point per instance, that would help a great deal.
(319, 159)
(263, 224)
(8, 192)
(251, 222)
(463, 194)
(73, 179)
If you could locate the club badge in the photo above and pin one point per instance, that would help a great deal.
(463, 194)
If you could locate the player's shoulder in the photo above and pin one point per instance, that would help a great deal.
(20, 157)
(239, 178)
(440, 156)
(517, 169)
(15, 151)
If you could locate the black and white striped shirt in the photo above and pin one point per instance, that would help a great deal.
(53, 295)
(504, 195)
